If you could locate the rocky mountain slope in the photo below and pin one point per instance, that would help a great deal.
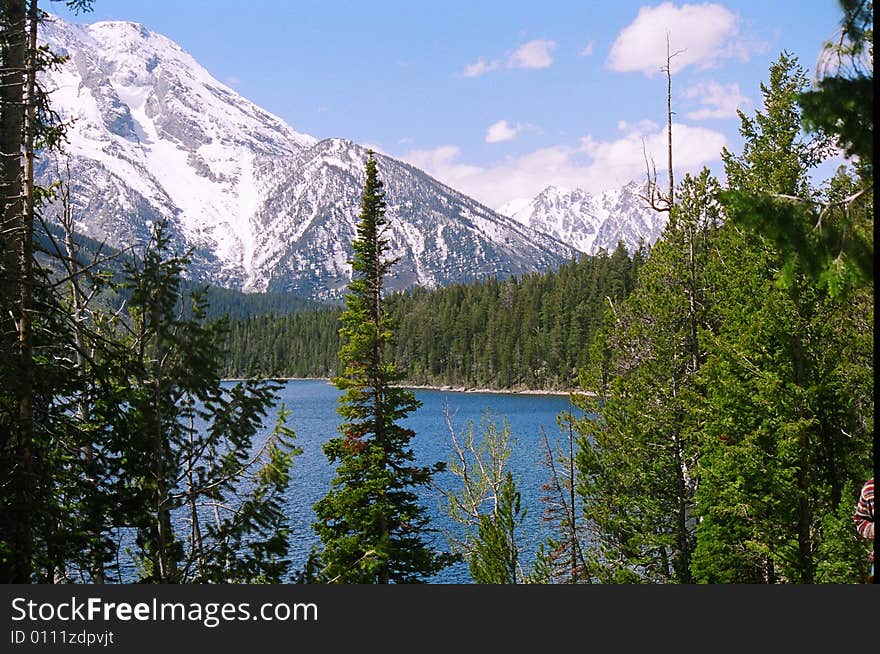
(266, 207)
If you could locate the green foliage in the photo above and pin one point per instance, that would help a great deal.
(560, 559)
(487, 505)
(370, 523)
(838, 255)
(842, 103)
(787, 417)
(843, 107)
(495, 555)
(59, 504)
(776, 153)
(636, 456)
(734, 386)
(786, 412)
(543, 567)
(108, 422)
(196, 437)
(830, 238)
(259, 526)
(842, 555)
(235, 305)
(46, 481)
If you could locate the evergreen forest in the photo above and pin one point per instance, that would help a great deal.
(517, 333)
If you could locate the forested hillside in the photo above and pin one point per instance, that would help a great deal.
(526, 332)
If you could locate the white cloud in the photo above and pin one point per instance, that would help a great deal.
(481, 67)
(640, 127)
(593, 165)
(502, 131)
(702, 35)
(588, 49)
(691, 148)
(717, 100)
(233, 81)
(534, 54)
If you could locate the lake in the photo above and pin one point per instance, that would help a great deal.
(313, 405)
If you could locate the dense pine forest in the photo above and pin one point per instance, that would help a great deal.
(526, 332)
(725, 376)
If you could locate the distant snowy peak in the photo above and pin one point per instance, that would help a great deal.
(590, 222)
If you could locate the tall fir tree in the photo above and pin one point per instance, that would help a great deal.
(830, 239)
(37, 455)
(370, 523)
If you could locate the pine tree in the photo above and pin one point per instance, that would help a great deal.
(35, 452)
(370, 523)
(16, 288)
(829, 239)
(495, 556)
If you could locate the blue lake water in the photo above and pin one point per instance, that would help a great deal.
(314, 418)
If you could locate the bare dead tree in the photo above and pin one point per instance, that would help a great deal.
(567, 556)
(657, 199)
(481, 466)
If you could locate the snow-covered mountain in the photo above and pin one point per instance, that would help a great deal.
(590, 222)
(264, 207)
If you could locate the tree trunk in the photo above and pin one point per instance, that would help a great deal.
(79, 301)
(804, 509)
(15, 439)
(26, 281)
(669, 57)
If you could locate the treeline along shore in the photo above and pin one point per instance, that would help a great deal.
(434, 387)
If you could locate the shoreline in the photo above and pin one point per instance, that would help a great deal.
(445, 388)
(491, 391)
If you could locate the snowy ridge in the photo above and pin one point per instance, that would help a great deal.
(438, 235)
(160, 137)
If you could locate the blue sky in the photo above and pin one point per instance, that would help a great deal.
(497, 99)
